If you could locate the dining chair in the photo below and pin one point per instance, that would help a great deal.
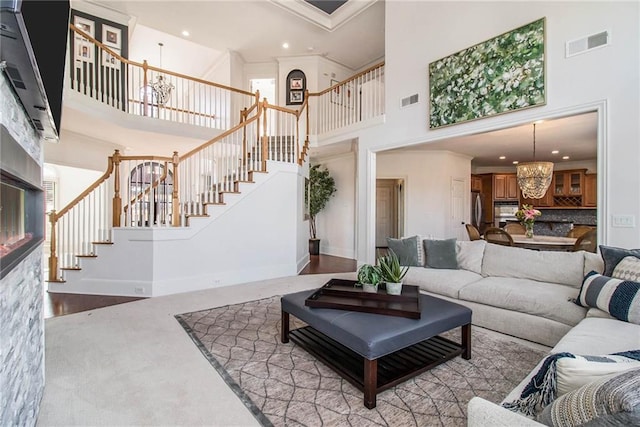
(473, 232)
(498, 236)
(515, 228)
(587, 242)
(578, 231)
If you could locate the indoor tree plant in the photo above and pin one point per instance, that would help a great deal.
(369, 276)
(392, 272)
(319, 190)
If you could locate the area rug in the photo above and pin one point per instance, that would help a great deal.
(283, 385)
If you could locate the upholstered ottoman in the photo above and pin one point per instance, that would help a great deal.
(375, 352)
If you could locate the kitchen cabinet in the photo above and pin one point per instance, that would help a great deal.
(476, 183)
(505, 187)
(545, 201)
(568, 183)
(590, 197)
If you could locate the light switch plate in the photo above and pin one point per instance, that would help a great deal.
(624, 221)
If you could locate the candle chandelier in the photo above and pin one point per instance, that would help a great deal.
(534, 177)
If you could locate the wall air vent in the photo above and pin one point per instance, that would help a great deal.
(585, 44)
(409, 100)
(15, 77)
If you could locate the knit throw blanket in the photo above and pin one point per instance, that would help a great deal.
(541, 390)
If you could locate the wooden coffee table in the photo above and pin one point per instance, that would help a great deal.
(375, 352)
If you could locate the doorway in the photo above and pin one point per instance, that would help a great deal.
(389, 210)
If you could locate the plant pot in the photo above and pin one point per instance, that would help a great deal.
(394, 288)
(368, 287)
(314, 246)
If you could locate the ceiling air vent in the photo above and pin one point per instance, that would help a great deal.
(588, 43)
(405, 102)
(15, 76)
(38, 124)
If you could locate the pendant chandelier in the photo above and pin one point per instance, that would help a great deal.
(161, 88)
(534, 177)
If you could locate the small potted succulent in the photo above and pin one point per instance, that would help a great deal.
(369, 277)
(392, 272)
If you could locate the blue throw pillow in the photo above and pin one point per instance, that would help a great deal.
(619, 298)
(406, 250)
(441, 253)
(612, 256)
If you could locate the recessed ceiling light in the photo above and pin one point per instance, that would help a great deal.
(186, 33)
(310, 48)
(285, 45)
(565, 157)
(502, 157)
(515, 162)
(538, 122)
(555, 152)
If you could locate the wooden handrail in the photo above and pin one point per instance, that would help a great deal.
(279, 108)
(178, 110)
(55, 216)
(150, 67)
(361, 73)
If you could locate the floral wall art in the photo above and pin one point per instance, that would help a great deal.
(503, 74)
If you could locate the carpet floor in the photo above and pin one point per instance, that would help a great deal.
(281, 384)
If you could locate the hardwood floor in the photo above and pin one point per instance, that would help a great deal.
(61, 304)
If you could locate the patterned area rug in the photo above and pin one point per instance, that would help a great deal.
(283, 385)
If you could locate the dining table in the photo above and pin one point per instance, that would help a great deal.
(544, 243)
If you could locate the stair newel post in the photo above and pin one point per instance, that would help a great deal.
(117, 201)
(53, 256)
(145, 81)
(265, 138)
(175, 203)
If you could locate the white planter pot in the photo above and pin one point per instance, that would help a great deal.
(366, 287)
(394, 288)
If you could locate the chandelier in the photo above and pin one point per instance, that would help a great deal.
(161, 88)
(534, 177)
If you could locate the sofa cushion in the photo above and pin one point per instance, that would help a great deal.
(406, 249)
(441, 281)
(470, 254)
(596, 335)
(620, 298)
(574, 372)
(441, 253)
(547, 300)
(628, 269)
(601, 398)
(612, 256)
(565, 268)
(592, 262)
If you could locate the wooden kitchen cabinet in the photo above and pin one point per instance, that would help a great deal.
(476, 183)
(545, 202)
(590, 197)
(505, 187)
(568, 183)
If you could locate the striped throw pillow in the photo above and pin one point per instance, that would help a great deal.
(628, 269)
(619, 298)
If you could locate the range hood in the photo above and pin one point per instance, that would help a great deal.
(19, 66)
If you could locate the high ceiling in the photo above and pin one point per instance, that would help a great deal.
(353, 35)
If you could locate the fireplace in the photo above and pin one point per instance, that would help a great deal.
(21, 203)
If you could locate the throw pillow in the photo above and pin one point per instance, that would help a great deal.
(628, 269)
(605, 397)
(406, 249)
(441, 253)
(469, 255)
(574, 372)
(619, 298)
(612, 256)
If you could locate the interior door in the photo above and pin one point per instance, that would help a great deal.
(459, 211)
(386, 211)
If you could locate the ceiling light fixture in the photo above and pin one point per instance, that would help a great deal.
(285, 45)
(161, 88)
(515, 162)
(534, 177)
(502, 157)
(555, 152)
(186, 33)
(565, 157)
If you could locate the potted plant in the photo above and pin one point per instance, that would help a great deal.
(369, 277)
(319, 190)
(392, 272)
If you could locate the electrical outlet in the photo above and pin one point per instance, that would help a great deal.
(139, 291)
(624, 221)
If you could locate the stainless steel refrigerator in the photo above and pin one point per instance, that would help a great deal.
(477, 210)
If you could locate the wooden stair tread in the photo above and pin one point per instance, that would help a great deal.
(71, 268)
(102, 243)
(56, 281)
(197, 215)
(214, 203)
(87, 256)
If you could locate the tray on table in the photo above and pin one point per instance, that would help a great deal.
(342, 294)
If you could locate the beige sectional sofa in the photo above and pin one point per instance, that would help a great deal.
(526, 294)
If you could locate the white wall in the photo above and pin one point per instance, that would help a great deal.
(427, 186)
(71, 182)
(336, 223)
(606, 77)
